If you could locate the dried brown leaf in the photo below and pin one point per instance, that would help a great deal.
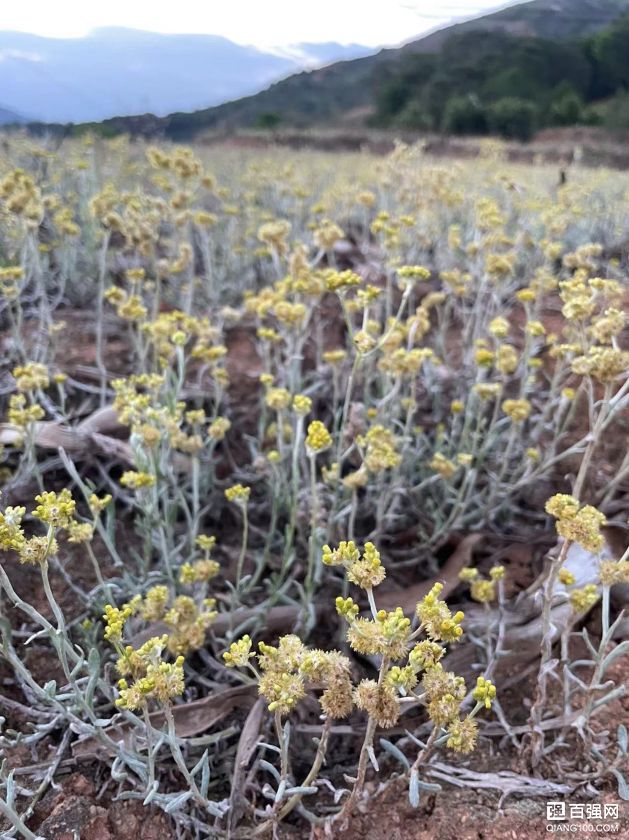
(190, 719)
(407, 598)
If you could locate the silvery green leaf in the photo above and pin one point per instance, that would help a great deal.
(433, 787)
(586, 639)
(269, 746)
(573, 677)
(217, 810)
(205, 777)
(623, 647)
(176, 803)
(302, 791)
(10, 789)
(50, 689)
(414, 739)
(151, 794)
(271, 769)
(338, 794)
(397, 753)
(93, 661)
(373, 759)
(622, 738)
(623, 787)
(268, 791)
(279, 794)
(413, 789)
(617, 692)
(117, 772)
(200, 763)
(136, 764)
(76, 671)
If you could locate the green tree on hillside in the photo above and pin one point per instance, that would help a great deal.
(512, 118)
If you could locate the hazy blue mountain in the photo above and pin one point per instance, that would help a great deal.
(117, 71)
(347, 87)
(11, 117)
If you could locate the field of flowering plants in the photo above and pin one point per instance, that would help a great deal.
(314, 493)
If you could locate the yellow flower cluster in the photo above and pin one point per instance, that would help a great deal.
(436, 619)
(380, 447)
(55, 509)
(290, 668)
(11, 534)
(442, 465)
(577, 524)
(31, 377)
(318, 438)
(238, 493)
(153, 678)
(137, 480)
(517, 410)
(612, 572)
(364, 570)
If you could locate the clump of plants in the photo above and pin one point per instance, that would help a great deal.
(287, 381)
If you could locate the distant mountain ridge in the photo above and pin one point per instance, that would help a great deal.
(8, 117)
(118, 71)
(340, 90)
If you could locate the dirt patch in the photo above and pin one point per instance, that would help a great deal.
(76, 811)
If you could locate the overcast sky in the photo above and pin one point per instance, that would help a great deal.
(261, 22)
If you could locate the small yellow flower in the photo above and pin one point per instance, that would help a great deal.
(442, 465)
(535, 329)
(302, 404)
(436, 619)
(577, 524)
(277, 398)
(462, 735)
(517, 410)
(499, 327)
(483, 590)
(137, 480)
(239, 653)
(97, 505)
(206, 542)
(238, 493)
(484, 692)
(334, 357)
(613, 572)
(487, 390)
(566, 577)
(55, 508)
(318, 438)
(219, 428)
(583, 599)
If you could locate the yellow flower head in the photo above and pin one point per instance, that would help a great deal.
(238, 493)
(55, 508)
(436, 619)
(318, 438)
(484, 692)
(517, 410)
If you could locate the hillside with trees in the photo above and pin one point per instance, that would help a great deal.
(530, 66)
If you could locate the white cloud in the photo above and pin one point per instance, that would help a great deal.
(262, 22)
(20, 55)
